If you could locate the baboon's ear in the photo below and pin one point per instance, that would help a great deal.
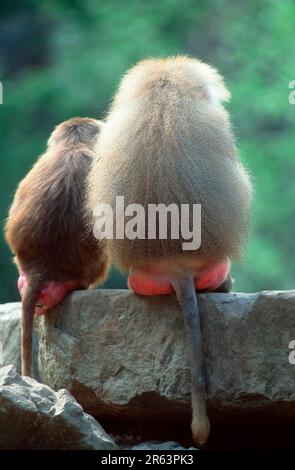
(213, 83)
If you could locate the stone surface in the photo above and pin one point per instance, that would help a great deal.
(157, 445)
(121, 353)
(10, 337)
(32, 416)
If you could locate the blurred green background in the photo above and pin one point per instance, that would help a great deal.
(63, 58)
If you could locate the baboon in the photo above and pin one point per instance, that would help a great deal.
(48, 230)
(167, 140)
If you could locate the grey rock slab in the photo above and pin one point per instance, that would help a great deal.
(10, 337)
(118, 352)
(33, 416)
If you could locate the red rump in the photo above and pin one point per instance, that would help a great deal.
(207, 279)
(52, 293)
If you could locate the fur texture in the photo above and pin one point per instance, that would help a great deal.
(167, 139)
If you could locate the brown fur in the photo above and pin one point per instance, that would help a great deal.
(167, 139)
(47, 229)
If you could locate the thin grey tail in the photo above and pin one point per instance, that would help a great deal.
(187, 298)
(28, 307)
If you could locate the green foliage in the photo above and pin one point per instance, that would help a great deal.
(64, 58)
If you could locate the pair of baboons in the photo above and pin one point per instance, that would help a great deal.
(167, 139)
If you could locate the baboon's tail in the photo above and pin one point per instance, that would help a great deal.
(28, 307)
(186, 296)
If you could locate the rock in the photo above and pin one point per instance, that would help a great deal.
(157, 445)
(10, 337)
(10, 334)
(121, 353)
(32, 416)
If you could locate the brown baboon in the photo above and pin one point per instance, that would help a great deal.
(47, 228)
